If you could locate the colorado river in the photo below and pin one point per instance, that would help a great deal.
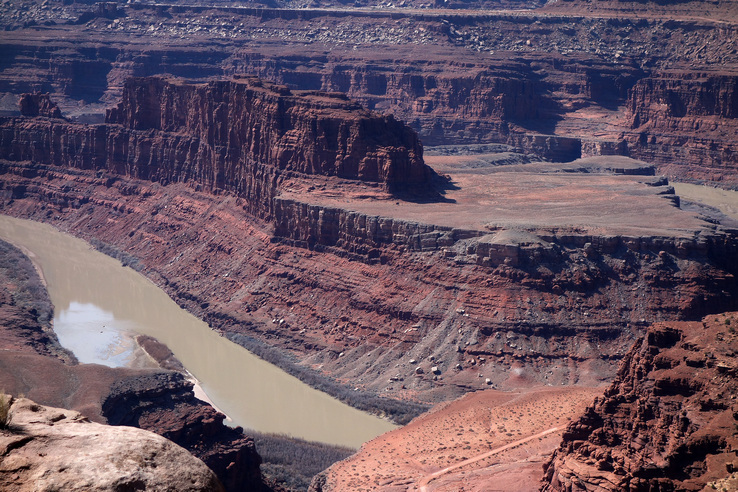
(100, 306)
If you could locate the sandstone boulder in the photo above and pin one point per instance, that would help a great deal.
(48, 448)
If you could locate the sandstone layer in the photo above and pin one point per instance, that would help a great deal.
(240, 136)
(46, 448)
(471, 285)
(570, 79)
(668, 422)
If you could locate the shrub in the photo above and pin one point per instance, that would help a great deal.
(5, 402)
(115, 253)
(294, 462)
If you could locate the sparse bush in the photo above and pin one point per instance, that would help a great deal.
(110, 250)
(5, 402)
(294, 462)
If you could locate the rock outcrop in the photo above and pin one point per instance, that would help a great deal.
(668, 422)
(237, 136)
(242, 121)
(46, 448)
(163, 403)
(686, 123)
(39, 105)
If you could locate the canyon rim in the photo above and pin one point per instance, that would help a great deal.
(401, 204)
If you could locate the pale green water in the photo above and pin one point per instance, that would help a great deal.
(98, 304)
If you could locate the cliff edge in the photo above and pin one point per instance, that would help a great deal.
(668, 422)
(245, 120)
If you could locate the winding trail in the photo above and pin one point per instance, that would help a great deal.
(423, 482)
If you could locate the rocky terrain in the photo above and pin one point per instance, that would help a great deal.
(502, 272)
(668, 422)
(41, 450)
(569, 79)
(530, 247)
(32, 363)
(486, 440)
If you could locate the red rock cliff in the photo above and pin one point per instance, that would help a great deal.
(238, 135)
(686, 123)
(668, 422)
(237, 122)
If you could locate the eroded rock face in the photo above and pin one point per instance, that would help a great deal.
(163, 403)
(686, 123)
(560, 71)
(49, 448)
(668, 422)
(38, 105)
(563, 308)
(240, 136)
(245, 120)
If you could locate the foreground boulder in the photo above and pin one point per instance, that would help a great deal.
(47, 448)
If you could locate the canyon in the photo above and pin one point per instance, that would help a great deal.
(552, 292)
(404, 205)
(566, 80)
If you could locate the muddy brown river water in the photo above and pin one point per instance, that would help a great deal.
(100, 306)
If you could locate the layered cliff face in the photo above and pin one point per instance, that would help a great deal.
(454, 77)
(668, 422)
(549, 304)
(236, 136)
(686, 123)
(245, 120)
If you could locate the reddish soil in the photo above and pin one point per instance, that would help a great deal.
(488, 440)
